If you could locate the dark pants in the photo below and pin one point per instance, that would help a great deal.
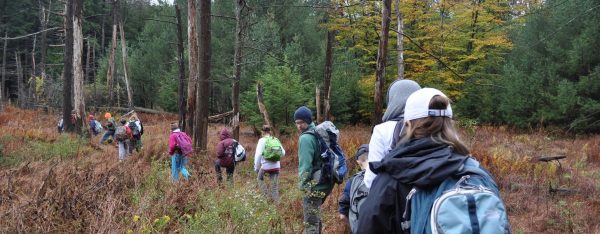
(312, 214)
(228, 170)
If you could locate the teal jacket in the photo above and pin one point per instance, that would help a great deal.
(310, 161)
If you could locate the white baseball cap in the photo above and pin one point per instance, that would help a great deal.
(417, 105)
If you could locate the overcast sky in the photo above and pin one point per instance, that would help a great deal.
(168, 1)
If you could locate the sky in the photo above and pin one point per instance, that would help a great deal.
(168, 1)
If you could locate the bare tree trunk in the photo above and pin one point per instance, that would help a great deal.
(111, 60)
(4, 64)
(399, 42)
(21, 93)
(32, 80)
(261, 106)
(44, 19)
(68, 67)
(328, 72)
(237, 65)
(318, 103)
(180, 62)
(87, 63)
(201, 131)
(381, 61)
(78, 77)
(193, 66)
(125, 75)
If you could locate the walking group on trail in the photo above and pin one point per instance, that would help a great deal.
(416, 175)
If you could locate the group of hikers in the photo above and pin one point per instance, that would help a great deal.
(126, 135)
(416, 175)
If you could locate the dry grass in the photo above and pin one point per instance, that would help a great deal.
(87, 190)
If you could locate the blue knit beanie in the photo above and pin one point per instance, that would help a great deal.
(304, 114)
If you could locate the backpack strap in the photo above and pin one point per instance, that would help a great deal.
(397, 131)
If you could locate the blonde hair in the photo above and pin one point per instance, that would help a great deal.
(439, 129)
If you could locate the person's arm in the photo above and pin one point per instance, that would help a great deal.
(220, 149)
(344, 202)
(306, 152)
(172, 144)
(377, 150)
(260, 147)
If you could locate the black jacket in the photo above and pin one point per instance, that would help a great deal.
(420, 163)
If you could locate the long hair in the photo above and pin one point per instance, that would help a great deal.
(439, 129)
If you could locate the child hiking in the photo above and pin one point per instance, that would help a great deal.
(180, 148)
(122, 136)
(355, 191)
(266, 162)
(225, 156)
(137, 130)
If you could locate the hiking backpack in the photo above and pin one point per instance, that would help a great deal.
(121, 133)
(358, 194)
(228, 158)
(135, 131)
(240, 152)
(333, 167)
(273, 149)
(469, 202)
(97, 126)
(184, 143)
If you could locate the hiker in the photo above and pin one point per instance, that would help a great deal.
(110, 126)
(310, 161)
(60, 126)
(429, 161)
(95, 126)
(136, 129)
(178, 159)
(355, 190)
(225, 156)
(266, 161)
(122, 136)
(386, 135)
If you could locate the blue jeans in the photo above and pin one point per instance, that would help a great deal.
(178, 163)
(122, 149)
(106, 135)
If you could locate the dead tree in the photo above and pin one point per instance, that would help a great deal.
(201, 131)
(124, 59)
(381, 60)
(318, 103)
(44, 19)
(328, 72)
(237, 65)
(180, 61)
(110, 72)
(4, 63)
(399, 43)
(193, 66)
(20, 91)
(78, 77)
(261, 105)
(68, 67)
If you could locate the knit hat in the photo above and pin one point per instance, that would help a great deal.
(399, 91)
(107, 115)
(417, 105)
(304, 114)
(363, 149)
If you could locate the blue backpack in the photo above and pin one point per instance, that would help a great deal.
(467, 203)
(333, 167)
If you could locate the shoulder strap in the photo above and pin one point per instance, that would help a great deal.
(397, 131)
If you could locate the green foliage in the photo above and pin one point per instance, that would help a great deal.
(284, 91)
(65, 146)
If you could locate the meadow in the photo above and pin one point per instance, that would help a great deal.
(65, 183)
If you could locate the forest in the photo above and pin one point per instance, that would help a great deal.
(523, 77)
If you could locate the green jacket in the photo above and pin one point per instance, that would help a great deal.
(309, 161)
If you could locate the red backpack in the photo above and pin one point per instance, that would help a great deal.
(184, 143)
(228, 160)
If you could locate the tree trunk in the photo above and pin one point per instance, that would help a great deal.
(381, 61)
(88, 52)
(237, 65)
(471, 42)
(125, 72)
(318, 103)
(205, 51)
(399, 41)
(180, 62)
(328, 71)
(193, 66)
(44, 19)
(78, 77)
(261, 106)
(21, 93)
(68, 68)
(110, 72)
(4, 64)
(31, 99)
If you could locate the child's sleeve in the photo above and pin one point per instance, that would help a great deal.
(344, 203)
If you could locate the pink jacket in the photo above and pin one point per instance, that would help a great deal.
(173, 142)
(226, 141)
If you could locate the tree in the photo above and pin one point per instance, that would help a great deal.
(113, 49)
(193, 67)
(78, 77)
(180, 62)
(381, 62)
(399, 43)
(124, 60)
(201, 131)
(328, 72)
(237, 64)
(68, 67)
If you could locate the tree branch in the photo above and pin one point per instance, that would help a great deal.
(28, 35)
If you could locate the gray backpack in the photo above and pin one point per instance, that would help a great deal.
(358, 195)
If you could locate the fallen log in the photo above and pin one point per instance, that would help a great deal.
(216, 118)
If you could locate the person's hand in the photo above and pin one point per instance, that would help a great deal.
(343, 217)
(256, 170)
